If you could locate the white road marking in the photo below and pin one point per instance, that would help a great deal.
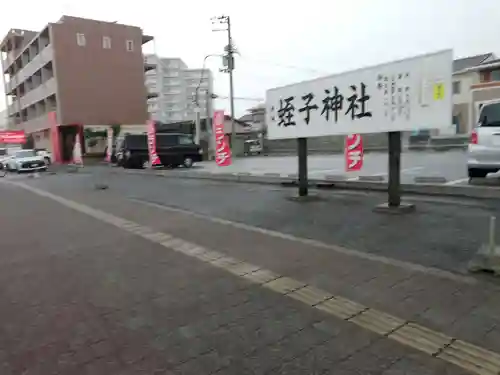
(325, 171)
(342, 250)
(476, 359)
(404, 170)
(411, 170)
(339, 249)
(456, 182)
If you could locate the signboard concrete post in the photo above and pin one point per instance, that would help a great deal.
(388, 98)
(394, 183)
(302, 155)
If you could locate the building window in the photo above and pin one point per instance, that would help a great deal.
(185, 139)
(456, 87)
(485, 76)
(130, 45)
(80, 39)
(495, 75)
(106, 42)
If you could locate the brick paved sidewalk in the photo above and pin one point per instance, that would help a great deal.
(462, 307)
(78, 296)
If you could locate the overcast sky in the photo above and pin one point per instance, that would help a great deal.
(282, 41)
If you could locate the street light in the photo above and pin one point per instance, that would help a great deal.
(197, 102)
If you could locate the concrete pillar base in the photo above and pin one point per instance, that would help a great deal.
(486, 261)
(306, 198)
(403, 208)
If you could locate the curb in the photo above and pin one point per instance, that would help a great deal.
(375, 150)
(371, 178)
(429, 180)
(477, 192)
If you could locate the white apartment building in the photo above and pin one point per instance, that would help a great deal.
(174, 85)
(3, 120)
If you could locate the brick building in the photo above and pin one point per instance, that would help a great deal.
(74, 73)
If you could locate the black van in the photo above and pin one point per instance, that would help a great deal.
(173, 149)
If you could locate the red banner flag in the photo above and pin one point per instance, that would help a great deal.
(153, 156)
(222, 149)
(353, 152)
(109, 149)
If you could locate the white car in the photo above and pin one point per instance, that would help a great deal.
(483, 154)
(7, 153)
(47, 156)
(25, 161)
(3, 154)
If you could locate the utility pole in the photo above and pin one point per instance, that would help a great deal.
(228, 61)
(230, 67)
(196, 102)
(197, 126)
(210, 97)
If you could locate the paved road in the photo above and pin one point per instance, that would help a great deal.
(445, 233)
(135, 289)
(450, 164)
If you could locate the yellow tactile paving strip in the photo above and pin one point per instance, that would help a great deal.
(467, 356)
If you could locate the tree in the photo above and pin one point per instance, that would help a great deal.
(30, 142)
(116, 130)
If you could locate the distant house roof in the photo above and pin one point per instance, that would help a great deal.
(471, 61)
(239, 121)
(258, 107)
(487, 65)
(246, 118)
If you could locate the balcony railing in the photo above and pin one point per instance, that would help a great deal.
(35, 124)
(41, 92)
(149, 63)
(9, 59)
(31, 97)
(32, 67)
(482, 85)
(152, 92)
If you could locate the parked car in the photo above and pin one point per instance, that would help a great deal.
(6, 153)
(173, 149)
(3, 154)
(252, 147)
(483, 154)
(3, 157)
(47, 155)
(26, 161)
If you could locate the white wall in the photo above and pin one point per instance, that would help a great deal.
(466, 81)
(3, 120)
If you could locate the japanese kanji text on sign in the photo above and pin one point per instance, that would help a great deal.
(398, 96)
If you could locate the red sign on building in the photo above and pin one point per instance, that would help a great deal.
(222, 149)
(12, 136)
(353, 152)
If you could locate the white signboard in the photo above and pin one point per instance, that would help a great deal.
(405, 95)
